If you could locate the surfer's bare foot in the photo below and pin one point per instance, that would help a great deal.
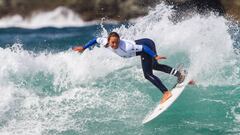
(166, 96)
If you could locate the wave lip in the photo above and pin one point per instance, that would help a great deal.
(59, 17)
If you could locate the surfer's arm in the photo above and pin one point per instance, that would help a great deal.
(129, 47)
(82, 48)
(143, 48)
(147, 50)
(100, 41)
(90, 43)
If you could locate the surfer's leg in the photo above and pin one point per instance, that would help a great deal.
(147, 65)
(156, 65)
(148, 72)
(166, 69)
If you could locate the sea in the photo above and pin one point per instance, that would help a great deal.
(48, 89)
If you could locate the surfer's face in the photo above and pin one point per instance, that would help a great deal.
(113, 42)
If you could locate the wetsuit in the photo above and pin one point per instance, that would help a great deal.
(147, 50)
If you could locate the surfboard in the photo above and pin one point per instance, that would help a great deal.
(160, 108)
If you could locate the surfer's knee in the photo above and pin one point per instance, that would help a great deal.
(146, 76)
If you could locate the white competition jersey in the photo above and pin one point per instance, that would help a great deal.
(125, 49)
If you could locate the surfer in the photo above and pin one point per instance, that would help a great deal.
(142, 47)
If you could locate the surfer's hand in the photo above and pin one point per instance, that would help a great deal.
(78, 49)
(160, 57)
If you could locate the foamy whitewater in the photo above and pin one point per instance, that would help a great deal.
(46, 88)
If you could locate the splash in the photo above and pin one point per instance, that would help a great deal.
(204, 42)
(63, 69)
(31, 82)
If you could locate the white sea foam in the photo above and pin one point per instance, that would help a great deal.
(66, 67)
(37, 114)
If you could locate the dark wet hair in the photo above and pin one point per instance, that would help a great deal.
(112, 34)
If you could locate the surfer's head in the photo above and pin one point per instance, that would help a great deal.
(113, 40)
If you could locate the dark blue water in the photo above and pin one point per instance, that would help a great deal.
(46, 39)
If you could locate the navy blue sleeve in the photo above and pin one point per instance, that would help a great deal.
(90, 43)
(149, 51)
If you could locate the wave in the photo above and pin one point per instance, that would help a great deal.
(37, 85)
(65, 67)
(205, 42)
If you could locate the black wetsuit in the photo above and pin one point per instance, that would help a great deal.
(147, 51)
(149, 64)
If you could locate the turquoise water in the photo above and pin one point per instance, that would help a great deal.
(48, 89)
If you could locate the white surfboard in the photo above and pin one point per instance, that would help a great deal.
(160, 108)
